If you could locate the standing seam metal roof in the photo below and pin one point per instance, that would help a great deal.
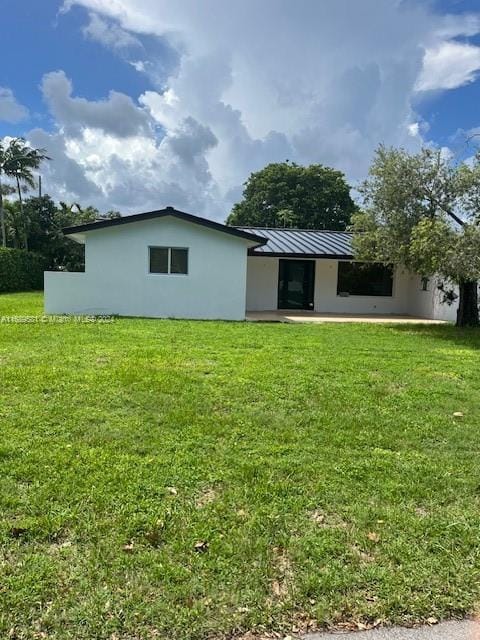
(302, 242)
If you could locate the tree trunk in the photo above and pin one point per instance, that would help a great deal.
(24, 221)
(467, 314)
(2, 217)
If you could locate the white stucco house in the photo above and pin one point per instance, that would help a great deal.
(171, 264)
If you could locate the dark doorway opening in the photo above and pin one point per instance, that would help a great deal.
(296, 280)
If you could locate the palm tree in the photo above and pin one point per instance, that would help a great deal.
(2, 212)
(20, 161)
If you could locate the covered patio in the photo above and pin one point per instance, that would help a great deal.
(292, 316)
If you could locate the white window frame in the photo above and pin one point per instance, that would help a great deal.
(169, 260)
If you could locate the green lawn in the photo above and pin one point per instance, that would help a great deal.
(187, 480)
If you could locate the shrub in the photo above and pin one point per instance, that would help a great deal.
(20, 270)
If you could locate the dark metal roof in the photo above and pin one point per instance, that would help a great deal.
(168, 211)
(309, 243)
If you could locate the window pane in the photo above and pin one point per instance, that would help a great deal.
(158, 260)
(360, 279)
(179, 261)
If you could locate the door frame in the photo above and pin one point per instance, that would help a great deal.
(309, 294)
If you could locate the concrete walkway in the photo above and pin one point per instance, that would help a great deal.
(452, 630)
(311, 316)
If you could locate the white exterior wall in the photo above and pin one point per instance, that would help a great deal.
(428, 304)
(262, 283)
(407, 299)
(327, 301)
(117, 278)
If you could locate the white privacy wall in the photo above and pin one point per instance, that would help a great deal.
(407, 299)
(117, 281)
(429, 304)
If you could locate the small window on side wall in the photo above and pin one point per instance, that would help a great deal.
(179, 260)
(364, 279)
(158, 260)
(171, 260)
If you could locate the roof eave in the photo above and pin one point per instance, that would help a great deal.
(257, 240)
(318, 256)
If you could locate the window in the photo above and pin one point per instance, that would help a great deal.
(168, 260)
(364, 279)
(425, 282)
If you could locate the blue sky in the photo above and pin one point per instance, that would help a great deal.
(449, 111)
(142, 103)
(55, 41)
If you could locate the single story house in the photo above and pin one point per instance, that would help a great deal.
(171, 264)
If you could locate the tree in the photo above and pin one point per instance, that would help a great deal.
(423, 210)
(288, 195)
(4, 190)
(14, 228)
(45, 235)
(45, 231)
(20, 161)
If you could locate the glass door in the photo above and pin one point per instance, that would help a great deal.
(296, 284)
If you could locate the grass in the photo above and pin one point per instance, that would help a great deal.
(190, 480)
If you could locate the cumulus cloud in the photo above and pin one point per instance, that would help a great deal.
(449, 65)
(117, 115)
(256, 82)
(63, 177)
(109, 34)
(11, 110)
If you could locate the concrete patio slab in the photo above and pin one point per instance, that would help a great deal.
(451, 630)
(311, 316)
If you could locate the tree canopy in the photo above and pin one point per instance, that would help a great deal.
(288, 195)
(39, 225)
(423, 211)
(18, 161)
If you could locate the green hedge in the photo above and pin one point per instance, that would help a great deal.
(20, 270)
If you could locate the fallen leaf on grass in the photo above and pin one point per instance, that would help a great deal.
(16, 532)
(356, 625)
(457, 414)
(172, 491)
(373, 536)
(432, 620)
(201, 546)
(128, 548)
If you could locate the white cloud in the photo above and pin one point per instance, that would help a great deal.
(449, 65)
(117, 115)
(414, 129)
(256, 82)
(139, 65)
(11, 110)
(63, 177)
(109, 34)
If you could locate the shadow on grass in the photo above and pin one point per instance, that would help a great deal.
(458, 336)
